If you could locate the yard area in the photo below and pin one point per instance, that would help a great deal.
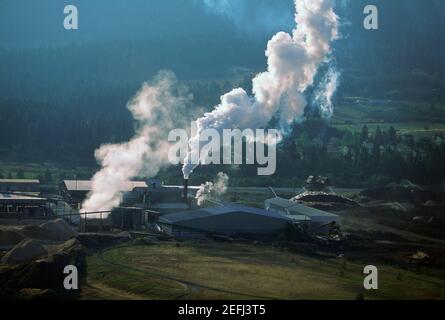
(193, 270)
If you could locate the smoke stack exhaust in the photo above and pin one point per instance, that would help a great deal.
(293, 61)
(186, 185)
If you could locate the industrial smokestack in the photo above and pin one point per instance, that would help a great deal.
(186, 186)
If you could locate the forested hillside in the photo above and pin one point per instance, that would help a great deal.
(62, 97)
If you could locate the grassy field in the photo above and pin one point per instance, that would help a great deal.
(242, 271)
(414, 128)
(406, 117)
(35, 170)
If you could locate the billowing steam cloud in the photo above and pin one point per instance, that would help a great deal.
(325, 91)
(157, 107)
(213, 189)
(293, 61)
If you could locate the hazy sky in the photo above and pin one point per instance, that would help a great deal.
(40, 22)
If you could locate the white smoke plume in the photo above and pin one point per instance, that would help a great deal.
(293, 61)
(325, 92)
(213, 189)
(156, 108)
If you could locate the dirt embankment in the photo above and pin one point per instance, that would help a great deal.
(34, 257)
(34, 264)
(43, 278)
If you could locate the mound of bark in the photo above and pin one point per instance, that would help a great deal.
(406, 192)
(390, 206)
(324, 201)
(323, 197)
(45, 275)
(9, 238)
(55, 230)
(33, 232)
(58, 230)
(26, 250)
(96, 241)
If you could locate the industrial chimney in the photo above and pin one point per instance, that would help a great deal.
(186, 184)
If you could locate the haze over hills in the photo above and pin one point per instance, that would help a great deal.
(70, 88)
(27, 23)
(120, 44)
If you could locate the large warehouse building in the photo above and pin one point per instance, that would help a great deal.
(228, 219)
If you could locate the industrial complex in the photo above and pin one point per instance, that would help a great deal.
(149, 206)
(230, 241)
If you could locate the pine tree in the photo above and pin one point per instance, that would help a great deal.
(364, 134)
(392, 135)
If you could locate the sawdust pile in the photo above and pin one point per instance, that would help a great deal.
(31, 242)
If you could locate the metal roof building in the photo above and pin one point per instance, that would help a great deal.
(149, 195)
(168, 199)
(79, 189)
(22, 206)
(294, 209)
(14, 199)
(19, 185)
(228, 219)
(86, 185)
